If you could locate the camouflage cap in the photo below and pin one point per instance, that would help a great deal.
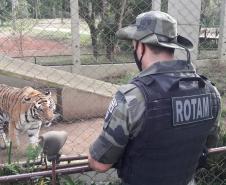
(155, 28)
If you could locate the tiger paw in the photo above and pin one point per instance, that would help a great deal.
(2, 146)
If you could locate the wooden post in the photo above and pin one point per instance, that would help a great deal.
(222, 33)
(156, 5)
(187, 13)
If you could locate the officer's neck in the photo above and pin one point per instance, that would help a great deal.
(151, 58)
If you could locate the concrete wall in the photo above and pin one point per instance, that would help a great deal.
(99, 71)
(222, 36)
(187, 13)
(81, 97)
(156, 5)
(103, 70)
(78, 104)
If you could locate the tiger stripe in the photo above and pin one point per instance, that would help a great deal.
(24, 109)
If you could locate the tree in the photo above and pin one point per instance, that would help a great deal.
(92, 12)
(21, 21)
(210, 13)
(120, 13)
(34, 8)
(5, 10)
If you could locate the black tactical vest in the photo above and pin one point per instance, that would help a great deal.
(181, 108)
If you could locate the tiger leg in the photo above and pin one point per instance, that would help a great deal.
(4, 141)
(13, 134)
(33, 133)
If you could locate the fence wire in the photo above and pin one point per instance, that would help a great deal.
(37, 34)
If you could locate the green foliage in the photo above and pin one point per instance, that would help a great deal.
(208, 44)
(164, 5)
(10, 169)
(33, 152)
(5, 9)
(117, 16)
(134, 8)
(22, 9)
(223, 109)
(120, 80)
(214, 171)
(9, 152)
(210, 13)
(67, 180)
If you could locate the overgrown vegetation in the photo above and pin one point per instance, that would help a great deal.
(32, 154)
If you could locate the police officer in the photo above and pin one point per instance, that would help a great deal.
(156, 126)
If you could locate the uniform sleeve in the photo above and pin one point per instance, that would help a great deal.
(120, 124)
(213, 137)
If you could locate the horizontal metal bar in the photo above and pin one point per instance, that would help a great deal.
(61, 159)
(72, 158)
(49, 167)
(70, 168)
(48, 173)
(217, 150)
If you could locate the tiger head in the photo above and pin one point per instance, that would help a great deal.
(42, 106)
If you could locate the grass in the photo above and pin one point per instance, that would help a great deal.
(215, 71)
(102, 59)
(86, 59)
(120, 80)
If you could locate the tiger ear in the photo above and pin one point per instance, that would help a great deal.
(26, 99)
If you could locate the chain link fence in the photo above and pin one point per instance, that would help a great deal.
(38, 34)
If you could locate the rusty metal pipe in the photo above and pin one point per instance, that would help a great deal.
(49, 167)
(68, 159)
(73, 158)
(48, 173)
(68, 169)
(217, 150)
(53, 172)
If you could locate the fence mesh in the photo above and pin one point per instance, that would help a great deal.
(39, 32)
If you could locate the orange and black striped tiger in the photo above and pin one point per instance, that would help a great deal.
(24, 110)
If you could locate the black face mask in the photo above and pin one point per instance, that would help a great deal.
(137, 60)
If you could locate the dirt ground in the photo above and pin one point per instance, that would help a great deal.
(14, 46)
(80, 135)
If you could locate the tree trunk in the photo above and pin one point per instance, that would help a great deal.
(37, 13)
(54, 12)
(122, 14)
(109, 50)
(14, 4)
(62, 13)
(93, 32)
(112, 30)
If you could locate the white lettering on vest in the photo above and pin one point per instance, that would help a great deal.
(179, 109)
(189, 109)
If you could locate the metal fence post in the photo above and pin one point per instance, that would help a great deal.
(14, 4)
(187, 13)
(156, 5)
(75, 36)
(222, 33)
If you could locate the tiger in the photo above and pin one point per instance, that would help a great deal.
(24, 110)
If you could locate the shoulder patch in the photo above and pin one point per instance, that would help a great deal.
(109, 112)
(118, 98)
(191, 109)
